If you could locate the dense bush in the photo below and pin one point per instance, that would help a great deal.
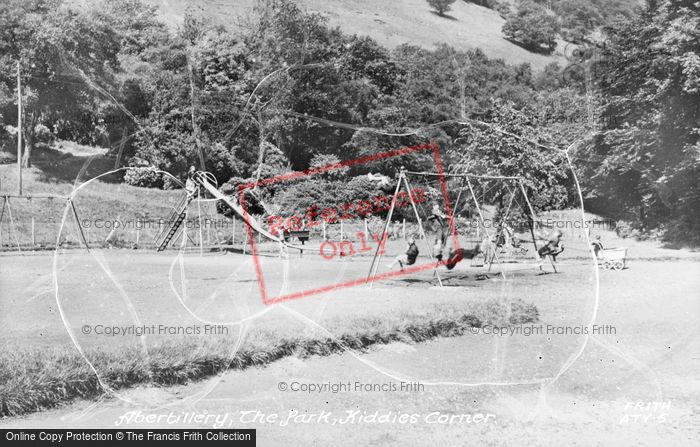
(626, 229)
(43, 134)
(532, 27)
(147, 177)
(324, 160)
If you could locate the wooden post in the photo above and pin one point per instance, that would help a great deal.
(138, 234)
(2, 214)
(12, 226)
(19, 131)
(323, 227)
(403, 229)
(366, 231)
(80, 227)
(341, 230)
(245, 243)
(588, 230)
(185, 236)
(33, 234)
(233, 232)
(199, 222)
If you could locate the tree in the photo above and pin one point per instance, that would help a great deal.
(645, 159)
(532, 27)
(578, 19)
(64, 56)
(441, 6)
(486, 149)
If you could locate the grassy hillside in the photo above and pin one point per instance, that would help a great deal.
(391, 23)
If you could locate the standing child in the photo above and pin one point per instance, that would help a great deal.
(597, 246)
(190, 184)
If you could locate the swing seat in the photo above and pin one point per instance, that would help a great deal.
(463, 253)
(550, 251)
(453, 261)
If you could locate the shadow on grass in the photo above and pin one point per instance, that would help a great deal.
(57, 166)
(544, 51)
(444, 16)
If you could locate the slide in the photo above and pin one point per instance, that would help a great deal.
(254, 224)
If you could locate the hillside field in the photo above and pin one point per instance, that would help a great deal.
(391, 23)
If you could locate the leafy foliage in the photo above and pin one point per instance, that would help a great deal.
(441, 6)
(289, 93)
(59, 50)
(532, 27)
(508, 144)
(147, 177)
(646, 160)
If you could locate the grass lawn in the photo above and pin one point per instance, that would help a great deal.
(100, 289)
(45, 298)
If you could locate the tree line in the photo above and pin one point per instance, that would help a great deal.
(285, 91)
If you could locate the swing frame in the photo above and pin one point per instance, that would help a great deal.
(466, 178)
(69, 201)
(402, 181)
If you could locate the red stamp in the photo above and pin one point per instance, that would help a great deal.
(330, 250)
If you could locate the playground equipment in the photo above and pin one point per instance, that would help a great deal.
(401, 182)
(490, 245)
(177, 216)
(204, 180)
(13, 230)
(500, 239)
(443, 246)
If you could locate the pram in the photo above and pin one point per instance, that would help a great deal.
(612, 258)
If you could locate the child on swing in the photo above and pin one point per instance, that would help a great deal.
(408, 258)
(553, 247)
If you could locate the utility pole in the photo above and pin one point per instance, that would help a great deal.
(19, 130)
(195, 128)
